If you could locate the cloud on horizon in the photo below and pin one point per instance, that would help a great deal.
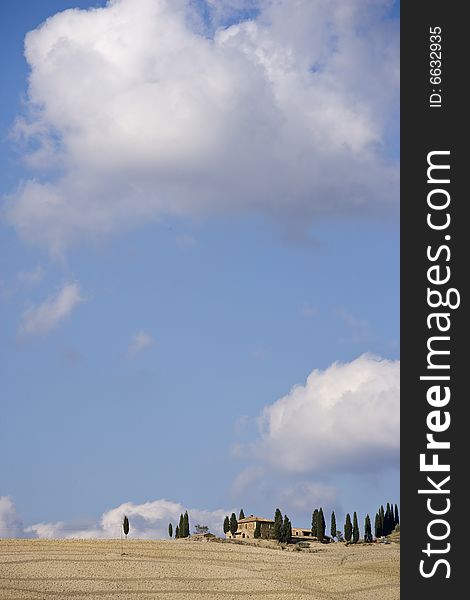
(10, 523)
(41, 319)
(134, 115)
(148, 520)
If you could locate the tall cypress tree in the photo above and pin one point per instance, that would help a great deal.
(226, 524)
(333, 525)
(382, 520)
(241, 515)
(278, 521)
(257, 533)
(286, 530)
(177, 532)
(170, 530)
(355, 532)
(314, 522)
(181, 527)
(233, 524)
(186, 524)
(320, 525)
(397, 518)
(378, 528)
(367, 530)
(388, 520)
(282, 534)
(125, 525)
(348, 528)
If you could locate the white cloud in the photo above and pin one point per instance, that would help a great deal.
(284, 114)
(10, 524)
(147, 521)
(31, 278)
(45, 317)
(345, 418)
(139, 342)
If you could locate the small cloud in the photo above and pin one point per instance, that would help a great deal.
(140, 342)
(30, 278)
(45, 317)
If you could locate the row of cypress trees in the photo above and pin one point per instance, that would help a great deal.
(182, 529)
(282, 529)
(319, 524)
(351, 530)
(386, 520)
(385, 523)
(231, 524)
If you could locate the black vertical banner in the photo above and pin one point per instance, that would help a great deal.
(434, 292)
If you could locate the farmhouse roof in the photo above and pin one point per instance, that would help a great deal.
(252, 518)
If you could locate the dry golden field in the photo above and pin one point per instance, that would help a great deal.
(184, 569)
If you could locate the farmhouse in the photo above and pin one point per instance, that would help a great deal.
(247, 526)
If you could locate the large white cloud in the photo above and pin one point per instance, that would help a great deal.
(345, 418)
(139, 115)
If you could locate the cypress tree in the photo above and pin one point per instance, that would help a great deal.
(333, 525)
(170, 530)
(378, 528)
(233, 523)
(257, 533)
(181, 527)
(177, 532)
(355, 532)
(367, 530)
(241, 515)
(397, 518)
(226, 524)
(186, 524)
(348, 528)
(382, 520)
(125, 525)
(277, 529)
(388, 520)
(286, 530)
(320, 525)
(314, 522)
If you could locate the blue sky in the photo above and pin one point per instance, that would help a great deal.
(159, 297)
